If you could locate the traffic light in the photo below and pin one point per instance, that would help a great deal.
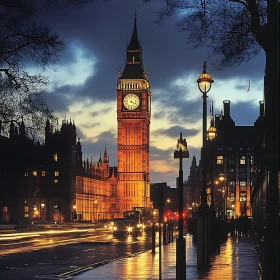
(80, 217)
(74, 215)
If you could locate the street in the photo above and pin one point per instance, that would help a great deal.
(45, 254)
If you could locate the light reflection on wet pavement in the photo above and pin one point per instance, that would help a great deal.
(237, 260)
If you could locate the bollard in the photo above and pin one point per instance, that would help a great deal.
(168, 233)
(172, 237)
(164, 233)
(153, 239)
(180, 258)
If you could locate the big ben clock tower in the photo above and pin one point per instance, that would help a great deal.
(133, 115)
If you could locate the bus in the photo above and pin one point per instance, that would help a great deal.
(141, 215)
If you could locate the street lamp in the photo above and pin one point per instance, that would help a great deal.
(42, 210)
(74, 214)
(204, 83)
(167, 216)
(211, 135)
(181, 152)
(222, 180)
(232, 208)
(95, 203)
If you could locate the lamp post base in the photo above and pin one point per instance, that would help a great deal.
(203, 250)
(181, 259)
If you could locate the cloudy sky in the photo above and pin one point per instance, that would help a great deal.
(83, 87)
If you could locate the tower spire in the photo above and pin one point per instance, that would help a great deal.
(133, 65)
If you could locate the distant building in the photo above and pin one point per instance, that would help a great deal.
(232, 154)
(170, 196)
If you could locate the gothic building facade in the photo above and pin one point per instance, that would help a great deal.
(52, 181)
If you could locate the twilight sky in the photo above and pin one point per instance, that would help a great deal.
(84, 86)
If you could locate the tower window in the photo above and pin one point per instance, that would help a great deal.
(220, 159)
(34, 173)
(43, 173)
(55, 181)
(56, 173)
(243, 160)
(55, 157)
(26, 174)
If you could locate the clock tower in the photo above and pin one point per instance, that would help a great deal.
(133, 115)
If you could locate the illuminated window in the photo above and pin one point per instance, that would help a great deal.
(43, 173)
(56, 173)
(55, 181)
(243, 160)
(25, 208)
(34, 173)
(220, 159)
(55, 157)
(25, 215)
(242, 183)
(5, 209)
(26, 174)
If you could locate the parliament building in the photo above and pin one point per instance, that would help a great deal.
(53, 182)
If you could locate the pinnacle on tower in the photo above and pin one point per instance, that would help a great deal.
(134, 41)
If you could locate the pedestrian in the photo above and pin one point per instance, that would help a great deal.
(232, 226)
(238, 226)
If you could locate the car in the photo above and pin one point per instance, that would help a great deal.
(109, 225)
(28, 225)
(126, 228)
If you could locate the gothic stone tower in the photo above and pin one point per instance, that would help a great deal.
(133, 115)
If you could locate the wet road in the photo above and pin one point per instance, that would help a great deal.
(45, 254)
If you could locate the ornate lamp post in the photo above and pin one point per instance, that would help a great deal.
(181, 152)
(204, 83)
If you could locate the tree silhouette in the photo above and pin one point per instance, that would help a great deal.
(25, 45)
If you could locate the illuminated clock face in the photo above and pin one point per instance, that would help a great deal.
(131, 101)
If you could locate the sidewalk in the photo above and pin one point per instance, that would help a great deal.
(237, 260)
